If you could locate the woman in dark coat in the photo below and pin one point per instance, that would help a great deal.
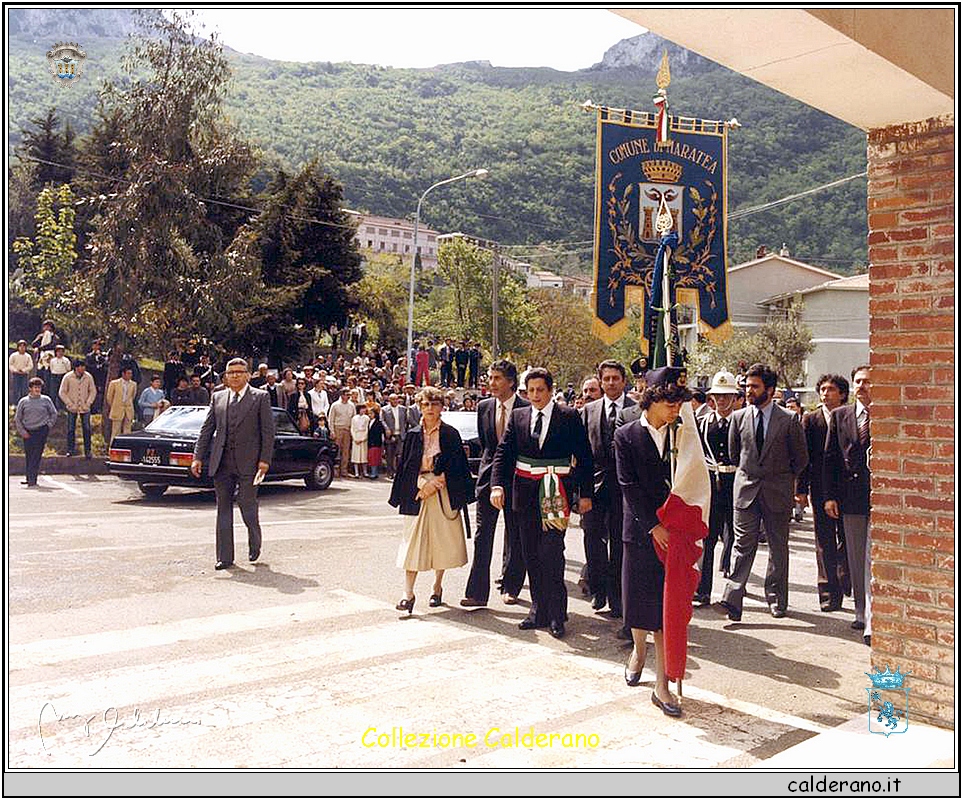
(299, 407)
(431, 486)
(376, 441)
(642, 465)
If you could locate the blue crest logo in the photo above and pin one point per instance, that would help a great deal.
(65, 61)
(888, 702)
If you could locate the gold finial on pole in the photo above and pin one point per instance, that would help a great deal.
(663, 76)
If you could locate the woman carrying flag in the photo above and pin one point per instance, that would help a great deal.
(665, 494)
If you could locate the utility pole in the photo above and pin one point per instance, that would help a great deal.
(496, 259)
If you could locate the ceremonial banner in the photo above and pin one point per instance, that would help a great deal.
(635, 176)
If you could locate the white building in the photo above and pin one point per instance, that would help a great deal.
(396, 236)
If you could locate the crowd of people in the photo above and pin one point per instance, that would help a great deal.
(767, 460)
(605, 453)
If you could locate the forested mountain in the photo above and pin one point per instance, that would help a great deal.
(387, 134)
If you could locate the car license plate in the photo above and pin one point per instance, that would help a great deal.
(151, 457)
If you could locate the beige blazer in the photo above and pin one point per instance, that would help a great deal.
(114, 398)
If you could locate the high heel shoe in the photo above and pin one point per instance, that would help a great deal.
(404, 604)
(434, 601)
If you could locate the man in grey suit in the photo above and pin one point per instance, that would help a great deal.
(769, 447)
(237, 440)
(397, 419)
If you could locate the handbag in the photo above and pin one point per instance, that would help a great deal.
(304, 420)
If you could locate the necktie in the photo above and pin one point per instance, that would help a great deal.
(760, 432)
(608, 426)
(863, 427)
(236, 398)
(500, 422)
(537, 431)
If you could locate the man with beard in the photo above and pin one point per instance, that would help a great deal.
(769, 447)
(832, 569)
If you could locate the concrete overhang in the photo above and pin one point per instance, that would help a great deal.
(871, 67)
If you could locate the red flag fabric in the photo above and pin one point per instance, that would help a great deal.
(686, 516)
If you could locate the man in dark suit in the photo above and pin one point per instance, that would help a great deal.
(446, 357)
(397, 420)
(768, 444)
(846, 482)
(461, 363)
(493, 415)
(237, 441)
(544, 444)
(602, 526)
(832, 569)
(714, 433)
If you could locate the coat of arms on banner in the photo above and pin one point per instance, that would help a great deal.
(888, 702)
(66, 62)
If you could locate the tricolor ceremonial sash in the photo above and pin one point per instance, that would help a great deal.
(553, 502)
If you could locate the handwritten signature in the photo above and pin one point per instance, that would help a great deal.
(110, 721)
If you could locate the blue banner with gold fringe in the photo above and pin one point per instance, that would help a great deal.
(635, 176)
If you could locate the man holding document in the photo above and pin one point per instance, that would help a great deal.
(238, 439)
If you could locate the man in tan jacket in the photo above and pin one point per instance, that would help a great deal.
(120, 396)
(77, 392)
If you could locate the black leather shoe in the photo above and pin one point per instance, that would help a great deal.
(734, 614)
(700, 599)
(669, 709)
(527, 624)
(557, 629)
(831, 605)
(632, 678)
(598, 603)
(777, 612)
(471, 602)
(253, 555)
(867, 640)
(223, 564)
(404, 604)
(434, 601)
(856, 625)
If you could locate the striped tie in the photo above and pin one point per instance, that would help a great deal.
(863, 427)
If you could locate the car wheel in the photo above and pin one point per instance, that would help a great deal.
(152, 489)
(321, 475)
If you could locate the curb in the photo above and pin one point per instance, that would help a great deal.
(60, 465)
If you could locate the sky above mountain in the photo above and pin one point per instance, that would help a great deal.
(563, 38)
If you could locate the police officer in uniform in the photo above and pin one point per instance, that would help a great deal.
(714, 433)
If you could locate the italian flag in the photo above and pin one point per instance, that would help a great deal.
(686, 515)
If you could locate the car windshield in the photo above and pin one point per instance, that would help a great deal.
(179, 419)
(465, 421)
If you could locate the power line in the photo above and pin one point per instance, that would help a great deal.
(745, 212)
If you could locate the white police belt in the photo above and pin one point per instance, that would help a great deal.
(722, 469)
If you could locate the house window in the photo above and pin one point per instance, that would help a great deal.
(370, 244)
(394, 247)
(395, 234)
(382, 231)
(407, 234)
(381, 245)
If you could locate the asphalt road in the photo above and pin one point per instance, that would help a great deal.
(115, 609)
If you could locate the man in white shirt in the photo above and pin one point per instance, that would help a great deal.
(59, 366)
(319, 399)
(394, 417)
(20, 364)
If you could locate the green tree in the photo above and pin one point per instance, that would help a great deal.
(785, 342)
(381, 297)
(459, 303)
(45, 278)
(303, 244)
(563, 341)
(51, 148)
(158, 260)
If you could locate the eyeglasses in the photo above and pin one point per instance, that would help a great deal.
(236, 372)
(427, 403)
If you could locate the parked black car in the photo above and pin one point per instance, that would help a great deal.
(466, 422)
(160, 455)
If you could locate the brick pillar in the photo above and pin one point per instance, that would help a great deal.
(912, 240)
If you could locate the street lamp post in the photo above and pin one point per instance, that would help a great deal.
(475, 173)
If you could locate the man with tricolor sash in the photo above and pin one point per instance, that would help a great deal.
(545, 457)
